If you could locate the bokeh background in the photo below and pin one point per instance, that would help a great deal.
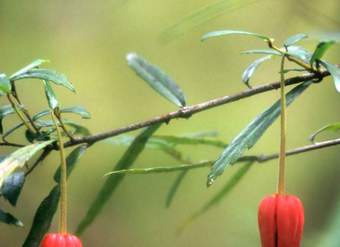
(88, 41)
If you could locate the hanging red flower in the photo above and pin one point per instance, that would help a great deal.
(281, 219)
(60, 240)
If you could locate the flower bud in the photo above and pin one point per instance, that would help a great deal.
(281, 219)
(60, 240)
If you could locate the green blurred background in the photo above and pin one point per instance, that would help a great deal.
(88, 41)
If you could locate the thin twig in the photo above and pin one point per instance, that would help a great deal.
(188, 111)
(254, 158)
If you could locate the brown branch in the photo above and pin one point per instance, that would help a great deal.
(303, 149)
(188, 111)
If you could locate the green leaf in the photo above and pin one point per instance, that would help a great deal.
(5, 111)
(79, 110)
(46, 74)
(71, 161)
(219, 33)
(202, 15)
(5, 85)
(249, 71)
(329, 127)
(320, 50)
(157, 141)
(227, 188)
(189, 140)
(36, 63)
(335, 73)
(9, 219)
(248, 137)
(262, 51)
(160, 169)
(48, 207)
(12, 186)
(112, 182)
(156, 78)
(18, 159)
(43, 218)
(295, 38)
(153, 143)
(300, 53)
(174, 188)
(50, 95)
(77, 128)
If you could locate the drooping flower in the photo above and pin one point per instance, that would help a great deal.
(281, 219)
(61, 240)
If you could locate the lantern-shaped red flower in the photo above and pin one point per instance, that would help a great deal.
(60, 240)
(281, 219)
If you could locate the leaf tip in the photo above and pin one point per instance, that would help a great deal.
(131, 56)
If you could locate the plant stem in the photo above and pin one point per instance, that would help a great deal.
(63, 180)
(18, 112)
(62, 125)
(282, 156)
(290, 58)
(25, 111)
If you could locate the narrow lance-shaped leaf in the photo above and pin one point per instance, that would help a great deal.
(48, 207)
(231, 183)
(5, 85)
(251, 134)
(36, 63)
(79, 110)
(18, 159)
(295, 38)
(335, 73)
(5, 111)
(50, 95)
(12, 186)
(300, 53)
(9, 219)
(190, 140)
(219, 33)
(249, 71)
(202, 15)
(262, 51)
(174, 188)
(160, 169)
(329, 127)
(156, 78)
(320, 50)
(46, 74)
(43, 218)
(77, 128)
(112, 182)
(156, 141)
(153, 143)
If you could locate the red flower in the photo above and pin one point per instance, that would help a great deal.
(60, 240)
(281, 220)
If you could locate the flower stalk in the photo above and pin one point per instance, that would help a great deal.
(63, 180)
